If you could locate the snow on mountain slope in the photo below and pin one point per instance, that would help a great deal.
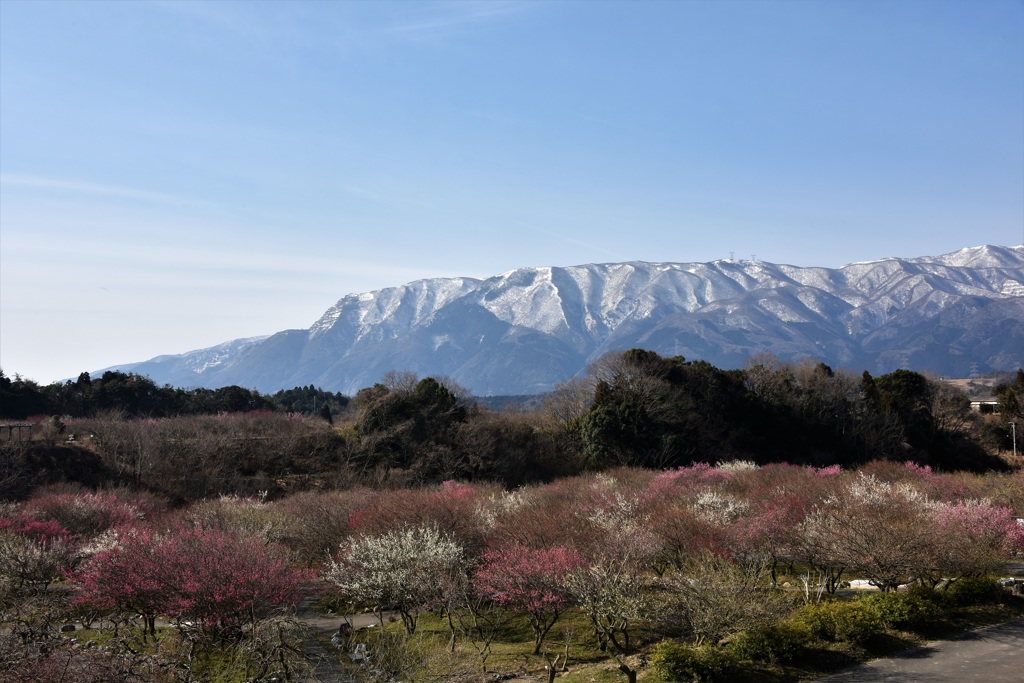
(187, 369)
(525, 330)
(399, 308)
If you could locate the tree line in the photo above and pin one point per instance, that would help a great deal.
(632, 409)
(137, 396)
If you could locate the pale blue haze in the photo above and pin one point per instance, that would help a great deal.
(177, 174)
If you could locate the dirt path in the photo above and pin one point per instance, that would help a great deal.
(306, 612)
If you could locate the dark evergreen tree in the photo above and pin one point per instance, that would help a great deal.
(1011, 396)
(20, 398)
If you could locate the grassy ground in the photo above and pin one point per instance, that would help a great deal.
(428, 656)
(571, 640)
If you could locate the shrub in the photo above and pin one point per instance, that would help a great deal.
(906, 610)
(782, 642)
(679, 663)
(974, 590)
(851, 621)
(238, 515)
(726, 597)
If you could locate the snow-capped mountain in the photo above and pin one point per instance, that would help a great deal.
(523, 331)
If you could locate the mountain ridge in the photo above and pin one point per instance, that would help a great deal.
(522, 331)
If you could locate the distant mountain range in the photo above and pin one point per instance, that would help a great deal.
(523, 331)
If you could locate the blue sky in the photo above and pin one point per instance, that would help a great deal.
(178, 174)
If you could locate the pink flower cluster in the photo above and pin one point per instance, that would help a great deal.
(42, 531)
(210, 577)
(526, 579)
(699, 473)
(84, 514)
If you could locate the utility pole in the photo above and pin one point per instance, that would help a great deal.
(1013, 428)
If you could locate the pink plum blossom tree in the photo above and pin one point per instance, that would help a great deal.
(208, 577)
(973, 538)
(531, 581)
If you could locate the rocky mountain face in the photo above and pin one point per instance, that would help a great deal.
(523, 331)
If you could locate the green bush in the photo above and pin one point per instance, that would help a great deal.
(973, 590)
(679, 663)
(852, 621)
(916, 607)
(782, 642)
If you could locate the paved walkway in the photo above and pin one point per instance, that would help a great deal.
(990, 655)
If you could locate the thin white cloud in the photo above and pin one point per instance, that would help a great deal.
(447, 17)
(594, 247)
(167, 262)
(217, 15)
(275, 24)
(60, 184)
(500, 117)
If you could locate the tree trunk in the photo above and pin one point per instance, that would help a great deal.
(451, 628)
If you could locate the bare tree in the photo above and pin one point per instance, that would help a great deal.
(717, 597)
(402, 381)
(568, 402)
(880, 530)
(614, 595)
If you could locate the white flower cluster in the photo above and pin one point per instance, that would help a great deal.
(619, 515)
(871, 490)
(495, 506)
(400, 569)
(108, 540)
(736, 465)
(718, 508)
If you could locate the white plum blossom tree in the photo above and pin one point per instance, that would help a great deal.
(406, 570)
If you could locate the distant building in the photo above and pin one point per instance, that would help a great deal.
(986, 404)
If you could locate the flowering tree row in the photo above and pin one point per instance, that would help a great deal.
(913, 522)
(890, 525)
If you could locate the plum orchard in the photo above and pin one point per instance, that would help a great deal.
(690, 552)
